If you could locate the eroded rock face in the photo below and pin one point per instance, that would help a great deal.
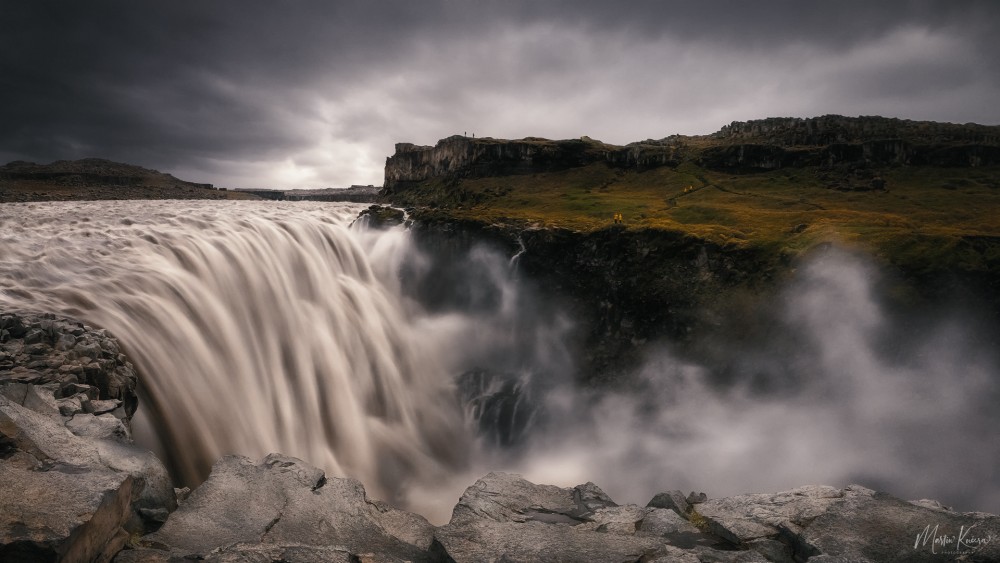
(282, 505)
(73, 487)
(506, 518)
(84, 366)
(852, 524)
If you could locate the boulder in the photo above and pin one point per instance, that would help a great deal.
(281, 504)
(851, 524)
(58, 499)
(503, 517)
(73, 487)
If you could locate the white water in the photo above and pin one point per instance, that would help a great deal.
(256, 327)
(274, 327)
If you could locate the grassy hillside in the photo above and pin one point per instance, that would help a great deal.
(939, 217)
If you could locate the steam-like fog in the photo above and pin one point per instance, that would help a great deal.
(918, 421)
(262, 327)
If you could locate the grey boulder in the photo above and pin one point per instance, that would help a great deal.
(857, 524)
(249, 511)
(503, 517)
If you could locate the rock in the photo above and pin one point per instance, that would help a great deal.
(182, 494)
(282, 503)
(499, 405)
(382, 217)
(46, 349)
(506, 518)
(256, 553)
(696, 498)
(57, 497)
(72, 485)
(102, 427)
(671, 500)
(851, 524)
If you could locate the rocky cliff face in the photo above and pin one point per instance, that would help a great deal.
(623, 288)
(837, 129)
(459, 156)
(73, 487)
(766, 144)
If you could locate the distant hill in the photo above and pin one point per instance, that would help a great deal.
(95, 179)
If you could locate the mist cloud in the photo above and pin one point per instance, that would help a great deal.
(843, 406)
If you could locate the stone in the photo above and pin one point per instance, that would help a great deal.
(671, 500)
(850, 524)
(72, 485)
(101, 427)
(101, 407)
(283, 501)
(503, 517)
(696, 498)
(57, 498)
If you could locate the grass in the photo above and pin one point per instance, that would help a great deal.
(925, 215)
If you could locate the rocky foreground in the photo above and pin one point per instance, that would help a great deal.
(73, 487)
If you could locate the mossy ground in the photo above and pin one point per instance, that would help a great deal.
(926, 218)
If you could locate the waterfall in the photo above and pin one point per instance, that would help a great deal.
(255, 328)
(279, 327)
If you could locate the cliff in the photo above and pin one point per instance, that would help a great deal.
(706, 219)
(760, 145)
(469, 157)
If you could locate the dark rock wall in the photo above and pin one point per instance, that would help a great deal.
(837, 129)
(622, 288)
(750, 146)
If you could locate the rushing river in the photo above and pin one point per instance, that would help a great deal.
(282, 327)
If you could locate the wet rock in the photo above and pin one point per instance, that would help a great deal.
(499, 405)
(506, 518)
(671, 500)
(102, 427)
(382, 217)
(852, 524)
(58, 497)
(283, 503)
(72, 485)
(45, 349)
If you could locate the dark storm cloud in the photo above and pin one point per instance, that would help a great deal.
(259, 93)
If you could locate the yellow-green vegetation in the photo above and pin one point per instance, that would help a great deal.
(937, 216)
(697, 520)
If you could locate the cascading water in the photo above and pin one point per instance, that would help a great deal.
(256, 328)
(274, 327)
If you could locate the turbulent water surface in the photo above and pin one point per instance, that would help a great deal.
(279, 327)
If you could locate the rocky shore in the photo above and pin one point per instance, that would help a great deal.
(73, 487)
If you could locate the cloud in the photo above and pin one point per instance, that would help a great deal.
(242, 93)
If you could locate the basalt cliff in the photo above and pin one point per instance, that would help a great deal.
(674, 238)
(760, 145)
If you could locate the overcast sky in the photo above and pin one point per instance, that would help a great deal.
(315, 93)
